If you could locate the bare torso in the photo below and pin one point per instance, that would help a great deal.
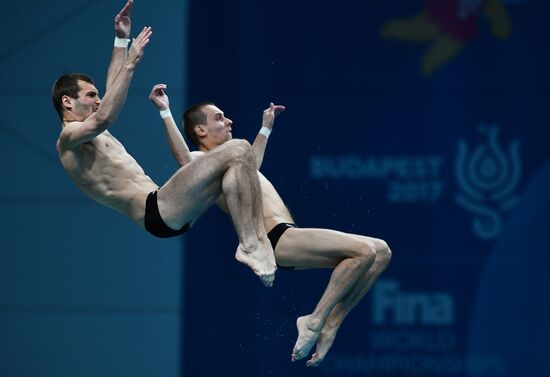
(105, 172)
(275, 211)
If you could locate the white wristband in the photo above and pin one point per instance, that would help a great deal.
(265, 131)
(165, 113)
(121, 42)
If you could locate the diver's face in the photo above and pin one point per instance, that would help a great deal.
(218, 127)
(88, 100)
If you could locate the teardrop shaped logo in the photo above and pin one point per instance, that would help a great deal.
(488, 177)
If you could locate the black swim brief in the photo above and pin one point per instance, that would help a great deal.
(276, 233)
(154, 223)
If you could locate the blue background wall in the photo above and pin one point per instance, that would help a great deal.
(83, 291)
(438, 145)
(449, 166)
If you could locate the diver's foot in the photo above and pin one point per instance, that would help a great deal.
(307, 336)
(258, 260)
(324, 343)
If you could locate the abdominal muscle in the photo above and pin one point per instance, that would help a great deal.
(106, 173)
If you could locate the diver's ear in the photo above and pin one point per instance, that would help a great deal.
(67, 102)
(199, 130)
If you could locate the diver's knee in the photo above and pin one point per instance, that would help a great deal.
(383, 252)
(365, 254)
(239, 150)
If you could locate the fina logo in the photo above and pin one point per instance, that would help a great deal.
(487, 178)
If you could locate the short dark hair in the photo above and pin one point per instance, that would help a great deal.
(192, 117)
(67, 85)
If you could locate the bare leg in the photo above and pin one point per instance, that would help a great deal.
(228, 170)
(251, 250)
(349, 255)
(342, 279)
(343, 307)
